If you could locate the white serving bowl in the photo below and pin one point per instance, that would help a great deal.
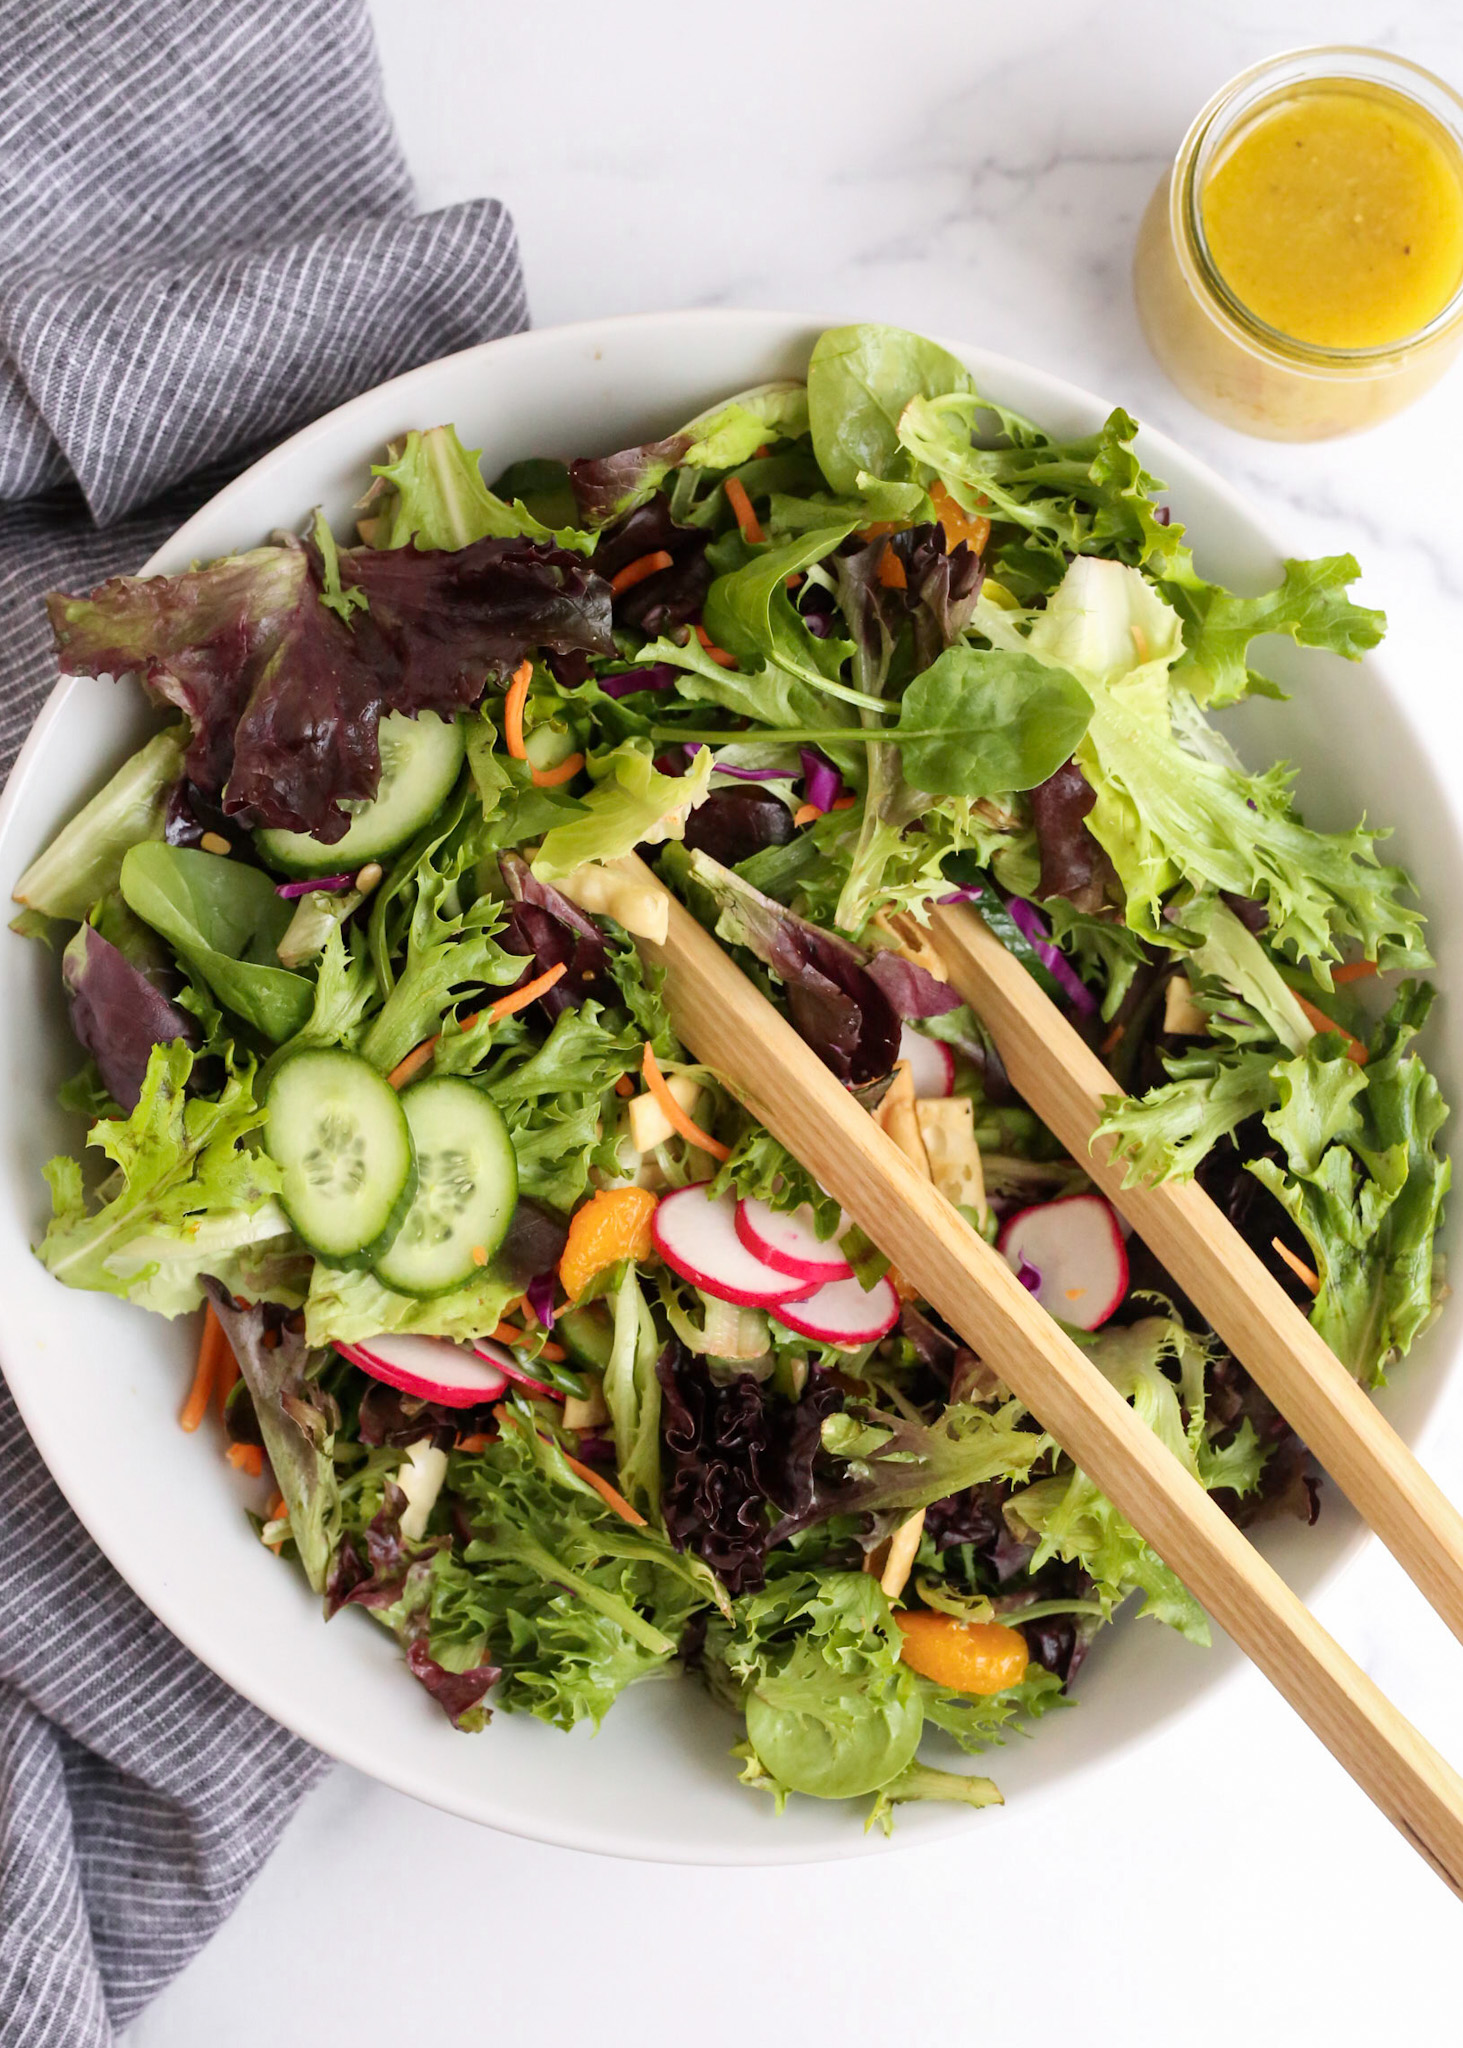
(99, 1383)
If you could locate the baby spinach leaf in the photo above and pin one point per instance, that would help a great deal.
(979, 722)
(860, 379)
(224, 920)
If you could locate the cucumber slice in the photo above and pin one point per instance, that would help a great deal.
(467, 1189)
(420, 760)
(339, 1134)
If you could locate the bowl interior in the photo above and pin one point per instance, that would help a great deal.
(99, 1383)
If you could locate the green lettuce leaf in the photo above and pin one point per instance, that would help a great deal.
(432, 492)
(225, 921)
(1309, 606)
(190, 1192)
(632, 804)
(84, 860)
(860, 380)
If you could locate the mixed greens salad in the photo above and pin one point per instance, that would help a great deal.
(547, 1354)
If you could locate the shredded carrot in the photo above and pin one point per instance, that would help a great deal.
(845, 802)
(718, 654)
(1355, 1050)
(550, 778)
(213, 1348)
(741, 504)
(516, 999)
(247, 1458)
(519, 998)
(415, 1060)
(1114, 1039)
(505, 1333)
(637, 571)
(276, 1507)
(624, 1085)
(513, 705)
(1355, 970)
(805, 814)
(792, 582)
(226, 1380)
(762, 452)
(476, 1442)
(672, 1110)
(1301, 1270)
(611, 1495)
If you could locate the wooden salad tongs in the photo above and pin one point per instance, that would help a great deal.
(1058, 1074)
(730, 1026)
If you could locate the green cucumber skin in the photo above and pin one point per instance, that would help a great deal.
(473, 1099)
(587, 1337)
(365, 1256)
(302, 857)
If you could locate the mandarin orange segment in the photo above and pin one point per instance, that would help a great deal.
(891, 571)
(613, 1225)
(959, 524)
(964, 1656)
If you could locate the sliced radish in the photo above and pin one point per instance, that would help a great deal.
(431, 1368)
(843, 1312)
(1075, 1249)
(931, 1063)
(786, 1240)
(497, 1355)
(697, 1238)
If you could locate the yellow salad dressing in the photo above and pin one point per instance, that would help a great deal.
(1336, 216)
(1299, 271)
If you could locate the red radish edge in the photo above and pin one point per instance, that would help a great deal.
(474, 1380)
(931, 1063)
(801, 1253)
(499, 1356)
(1075, 1247)
(697, 1238)
(843, 1312)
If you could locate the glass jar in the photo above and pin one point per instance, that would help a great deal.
(1219, 352)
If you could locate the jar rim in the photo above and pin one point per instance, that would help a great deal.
(1310, 64)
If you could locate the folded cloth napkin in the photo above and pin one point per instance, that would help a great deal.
(206, 238)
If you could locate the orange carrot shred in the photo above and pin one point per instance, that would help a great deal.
(516, 999)
(212, 1347)
(1354, 970)
(1301, 1270)
(513, 705)
(610, 1495)
(718, 654)
(624, 1085)
(672, 1110)
(637, 571)
(415, 1060)
(276, 1507)
(762, 452)
(550, 778)
(741, 504)
(845, 802)
(476, 1442)
(247, 1458)
(805, 814)
(519, 998)
(1355, 1050)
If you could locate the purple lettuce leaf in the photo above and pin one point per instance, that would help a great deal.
(733, 824)
(534, 1243)
(458, 1693)
(608, 486)
(1072, 862)
(834, 1002)
(285, 698)
(671, 596)
(912, 989)
(377, 1578)
(543, 923)
(118, 1014)
(733, 1454)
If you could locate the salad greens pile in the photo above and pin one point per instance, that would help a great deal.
(374, 1067)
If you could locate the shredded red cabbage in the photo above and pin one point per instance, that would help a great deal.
(656, 675)
(1029, 922)
(540, 1292)
(822, 783)
(1029, 1276)
(333, 885)
(961, 895)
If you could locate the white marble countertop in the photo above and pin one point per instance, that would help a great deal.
(979, 172)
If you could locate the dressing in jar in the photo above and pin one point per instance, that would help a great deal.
(1299, 273)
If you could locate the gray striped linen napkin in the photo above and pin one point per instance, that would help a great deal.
(206, 238)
